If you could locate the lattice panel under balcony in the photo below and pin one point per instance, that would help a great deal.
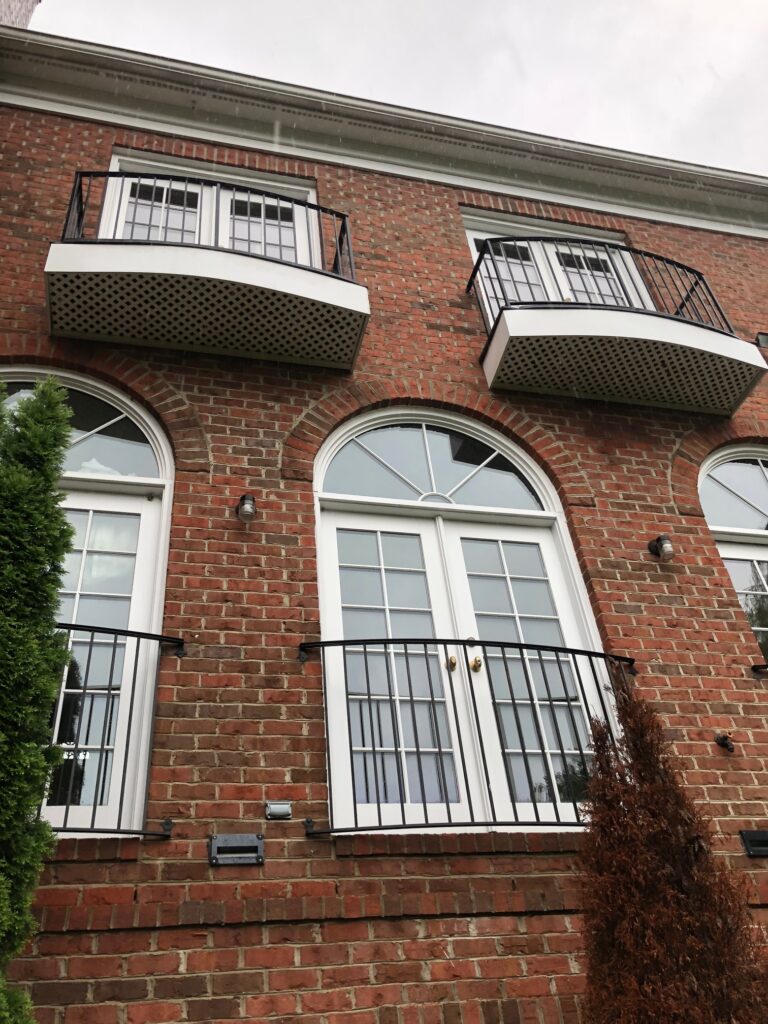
(203, 315)
(642, 372)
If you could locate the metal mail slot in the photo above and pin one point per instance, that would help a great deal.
(236, 849)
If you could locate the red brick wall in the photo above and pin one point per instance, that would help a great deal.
(397, 930)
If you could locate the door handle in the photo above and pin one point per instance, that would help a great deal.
(476, 664)
(452, 663)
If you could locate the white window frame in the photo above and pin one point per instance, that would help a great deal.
(160, 489)
(552, 276)
(550, 521)
(736, 542)
(156, 167)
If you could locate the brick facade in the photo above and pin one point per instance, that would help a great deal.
(419, 929)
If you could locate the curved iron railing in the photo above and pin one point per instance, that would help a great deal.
(169, 209)
(530, 271)
(425, 734)
(92, 789)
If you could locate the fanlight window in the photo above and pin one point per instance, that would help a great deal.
(734, 496)
(103, 441)
(418, 462)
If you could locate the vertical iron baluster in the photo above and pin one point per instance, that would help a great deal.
(310, 239)
(119, 208)
(104, 735)
(373, 734)
(617, 276)
(499, 723)
(406, 658)
(545, 750)
(350, 705)
(399, 741)
(435, 720)
(577, 736)
(548, 249)
(503, 737)
(496, 283)
(533, 698)
(76, 747)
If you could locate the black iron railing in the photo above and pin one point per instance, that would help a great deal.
(172, 210)
(459, 733)
(96, 787)
(513, 272)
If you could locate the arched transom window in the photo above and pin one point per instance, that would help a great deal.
(447, 596)
(422, 462)
(117, 477)
(734, 497)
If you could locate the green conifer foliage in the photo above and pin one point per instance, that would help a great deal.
(34, 538)
(668, 933)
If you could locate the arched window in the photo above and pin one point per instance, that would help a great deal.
(734, 497)
(454, 693)
(117, 482)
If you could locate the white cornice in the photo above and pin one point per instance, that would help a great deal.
(155, 93)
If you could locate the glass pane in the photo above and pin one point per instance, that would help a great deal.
(403, 448)
(361, 586)
(533, 597)
(571, 777)
(402, 551)
(524, 559)
(81, 781)
(519, 729)
(756, 607)
(418, 675)
(454, 456)
(499, 628)
(746, 574)
(109, 455)
(569, 722)
(411, 625)
(722, 508)
(111, 612)
(429, 719)
(79, 521)
(89, 413)
(354, 471)
(83, 720)
(539, 788)
(114, 532)
(746, 478)
(431, 778)
(407, 589)
(357, 547)
(375, 778)
(110, 574)
(490, 595)
(66, 609)
(541, 631)
(372, 724)
(367, 669)
(552, 677)
(508, 678)
(482, 556)
(499, 485)
(363, 624)
(71, 575)
(97, 665)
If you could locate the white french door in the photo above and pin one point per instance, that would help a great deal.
(101, 716)
(428, 730)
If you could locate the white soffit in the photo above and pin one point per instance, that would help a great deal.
(204, 300)
(621, 356)
(164, 95)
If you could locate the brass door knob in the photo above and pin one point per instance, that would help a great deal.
(452, 663)
(476, 664)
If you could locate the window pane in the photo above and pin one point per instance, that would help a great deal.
(120, 450)
(524, 560)
(499, 485)
(354, 471)
(482, 556)
(108, 574)
(431, 778)
(454, 456)
(363, 624)
(746, 478)
(114, 532)
(417, 675)
(722, 508)
(367, 670)
(500, 628)
(357, 547)
(402, 551)
(519, 727)
(375, 778)
(110, 612)
(403, 448)
(533, 597)
(407, 589)
(541, 631)
(490, 594)
(361, 586)
(81, 781)
(411, 625)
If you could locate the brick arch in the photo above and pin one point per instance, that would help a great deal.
(320, 420)
(135, 378)
(696, 446)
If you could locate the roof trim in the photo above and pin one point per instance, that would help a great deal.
(108, 84)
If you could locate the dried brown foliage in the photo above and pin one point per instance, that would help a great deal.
(668, 934)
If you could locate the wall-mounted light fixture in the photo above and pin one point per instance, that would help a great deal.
(246, 508)
(725, 740)
(661, 548)
(278, 810)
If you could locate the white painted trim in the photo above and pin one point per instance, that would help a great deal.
(736, 534)
(491, 224)
(553, 514)
(433, 172)
(211, 264)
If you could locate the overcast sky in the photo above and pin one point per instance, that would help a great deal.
(676, 78)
